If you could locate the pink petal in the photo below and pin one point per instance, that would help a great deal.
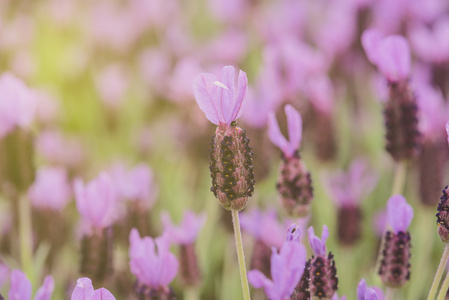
(243, 87)
(400, 213)
(206, 97)
(20, 286)
(294, 124)
(46, 290)
(275, 135)
(257, 279)
(102, 294)
(394, 58)
(83, 289)
(371, 39)
(227, 98)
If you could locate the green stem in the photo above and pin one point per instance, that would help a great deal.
(439, 273)
(26, 239)
(240, 254)
(191, 293)
(444, 287)
(399, 178)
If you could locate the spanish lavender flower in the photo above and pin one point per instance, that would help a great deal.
(394, 269)
(85, 291)
(443, 216)
(97, 204)
(231, 157)
(323, 273)
(348, 189)
(392, 56)
(185, 235)
(154, 271)
(294, 184)
(368, 293)
(287, 267)
(21, 287)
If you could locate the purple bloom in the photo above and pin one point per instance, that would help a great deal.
(351, 187)
(399, 213)
(287, 267)
(294, 124)
(50, 189)
(112, 84)
(217, 97)
(447, 130)
(85, 291)
(320, 92)
(431, 45)
(97, 202)
(335, 297)
(17, 105)
(154, 270)
(433, 110)
(368, 293)
(21, 287)
(318, 245)
(188, 229)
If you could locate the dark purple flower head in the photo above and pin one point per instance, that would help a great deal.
(318, 245)
(294, 124)
(218, 98)
(85, 291)
(399, 213)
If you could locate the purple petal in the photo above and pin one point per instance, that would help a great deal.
(257, 279)
(46, 290)
(294, 124)
(361, 289)
(275, 135)
(207, 98)
(447, 131)
(394, 58)
(293, 233)
(240, 97)
(227, 93)
(83, 289)
(400, 213)
(371, 39)
(20, 286)
(371, 295)
(102, 294)
(318, 245)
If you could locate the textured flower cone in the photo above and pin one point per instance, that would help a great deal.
(324, 135)
(188, 265)
(295, 186)
(96, 255)
(138, 217)
(16, 160)
(431, 163)
(443, 216)
(394, 269)
(143, 292)
(262, 144)
(401, 122)
(261, 258)
(231, 167)
(349, 223)
(302, 290)
(323, 276)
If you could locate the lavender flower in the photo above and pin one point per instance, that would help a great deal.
(368, 293)
(231, 157)
(294, 184)
(443, 216)
(21, 287)
(287, 267)
(323, 273)
(154, 270)
(394, 268)
(85, 291)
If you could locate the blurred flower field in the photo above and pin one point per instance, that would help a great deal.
(131, 131)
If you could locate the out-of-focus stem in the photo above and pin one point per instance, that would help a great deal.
(191, 293)
(399, 178)
(439, 273)
(26, 239)
(444, 287)
(390, 294)
(240, 254)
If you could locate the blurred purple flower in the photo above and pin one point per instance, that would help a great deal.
(17, 105)
(50, 189)
(368, 293)
(155, 66)
(218, 50)
(318, 245)
(320, 92)
(21, 287)
(180, 82)
(97, 202)
(112, 84)
(287, 267)
(390, 54)
(154, 270)
(48, 109)
(187, 231)
(294, 124)
(216, 96)
(263, 226)
(85, 291)
(431, 45)
(351, 187)
(336, 297)
(433, 110)
(230, 11)
(399, 213)
(379, 223)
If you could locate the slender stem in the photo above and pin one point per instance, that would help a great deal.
(240, 254)
(444, 287)
(390, 293)
(439, 273)
(399, 178)
(26, 239)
